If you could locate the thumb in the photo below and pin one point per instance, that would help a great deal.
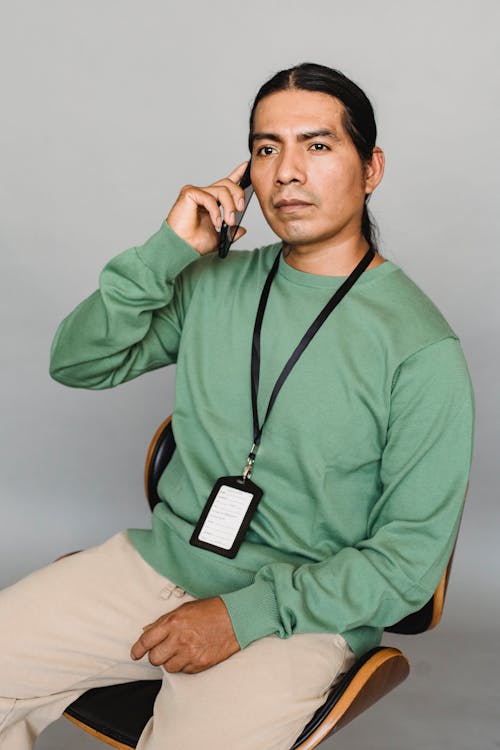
(240, 232)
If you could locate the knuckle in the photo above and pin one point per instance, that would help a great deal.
(183, 639)
(224, 193)
(200, 666)
(154, 658)
(176, 667)
(197, 659)
(173, 618)
(205, 662)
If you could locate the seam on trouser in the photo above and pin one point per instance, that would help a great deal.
(4, 720)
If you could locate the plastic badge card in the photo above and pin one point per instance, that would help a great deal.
(227, 515)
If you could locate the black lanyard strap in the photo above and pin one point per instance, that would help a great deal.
(301, 346)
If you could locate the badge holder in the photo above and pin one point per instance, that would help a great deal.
(228, 511)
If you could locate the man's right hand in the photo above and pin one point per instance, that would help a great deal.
(196, 215)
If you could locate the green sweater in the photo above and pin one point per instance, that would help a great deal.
(364, 459)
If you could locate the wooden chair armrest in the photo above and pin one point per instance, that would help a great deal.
(98, 735)
(372, 677)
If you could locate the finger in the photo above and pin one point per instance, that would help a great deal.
(175, 664)
(240, 232)
(207, 200)
(153, 641)
(151, 636)
(232, 183)
(160, 619)
(228, 197)
(197, 667)
(137, 651)
(163, 652)
(238, 173)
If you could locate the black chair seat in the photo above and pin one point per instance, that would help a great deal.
(119, 712)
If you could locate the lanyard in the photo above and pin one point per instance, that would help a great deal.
(298, 351)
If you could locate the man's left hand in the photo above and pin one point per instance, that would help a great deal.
(192, 638)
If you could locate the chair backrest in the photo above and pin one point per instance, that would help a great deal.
(159, 454)
(428, 616)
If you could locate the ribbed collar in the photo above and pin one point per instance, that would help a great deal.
(331, 282)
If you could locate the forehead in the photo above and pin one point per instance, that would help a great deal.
(296, 110)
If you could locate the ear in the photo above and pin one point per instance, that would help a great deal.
(374, 170)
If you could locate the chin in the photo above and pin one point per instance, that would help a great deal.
(298, 237)
(293, 232)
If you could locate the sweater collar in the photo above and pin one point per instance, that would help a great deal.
(331, 282)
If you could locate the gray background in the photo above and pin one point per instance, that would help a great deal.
(108, 108)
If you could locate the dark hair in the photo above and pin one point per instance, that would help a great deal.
(358, 117)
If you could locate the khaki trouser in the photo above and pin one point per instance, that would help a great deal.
(70, 626)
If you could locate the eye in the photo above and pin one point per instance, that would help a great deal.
(265, 151)
(319, 147)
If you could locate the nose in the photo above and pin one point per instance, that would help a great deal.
(289, 167)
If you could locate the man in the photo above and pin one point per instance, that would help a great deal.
(359, 449)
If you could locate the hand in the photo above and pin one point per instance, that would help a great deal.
(196, 214)
(192, 638)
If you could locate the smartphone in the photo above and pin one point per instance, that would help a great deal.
(227, 234)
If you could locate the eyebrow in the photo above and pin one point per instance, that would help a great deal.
(306, 136)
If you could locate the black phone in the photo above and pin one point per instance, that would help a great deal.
(227, 234)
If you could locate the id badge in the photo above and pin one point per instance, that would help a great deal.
(226, 516)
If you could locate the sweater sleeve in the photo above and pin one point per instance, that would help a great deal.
(132, 323)
(412, 525)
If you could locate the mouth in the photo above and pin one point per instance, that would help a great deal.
(290, 205)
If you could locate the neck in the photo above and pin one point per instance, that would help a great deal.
(328, 261)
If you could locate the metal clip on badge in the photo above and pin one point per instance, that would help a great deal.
(247, 471)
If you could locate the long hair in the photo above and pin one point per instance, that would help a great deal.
(358, 118)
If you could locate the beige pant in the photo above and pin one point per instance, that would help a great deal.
(69, 627)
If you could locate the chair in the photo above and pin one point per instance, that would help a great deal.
(117, 714)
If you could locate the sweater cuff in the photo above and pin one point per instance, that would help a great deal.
(253, 612)
(166, 254)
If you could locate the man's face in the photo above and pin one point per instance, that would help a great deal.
(307, 174)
